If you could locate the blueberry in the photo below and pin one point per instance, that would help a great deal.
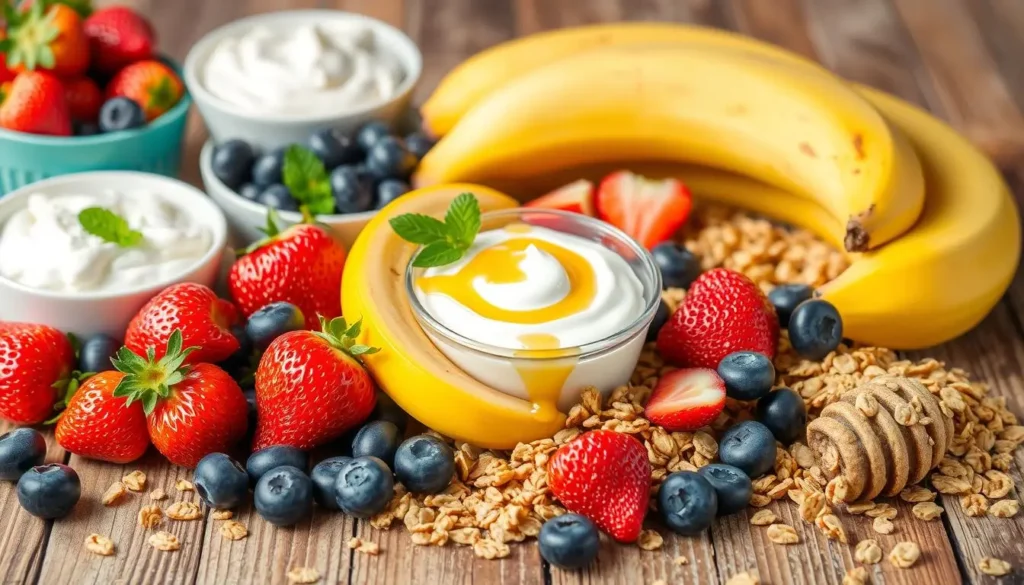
(370, 133)
(569, 541)
(85, 128)
(687, 502)
(279, 197)
(49, 491)
(750, 446)
(273, 321)
(20, 450)
(732, 487)
(283, 496)
(95, 353)
(250, 191)
(386, 409)
(324, 475)
(352, 189)
(748, 375)
(268, 458)
(660, 318)
(679, 266)
(333, 148)
(425, 464)
(784, 413)
(390, 189)
(815, 329)
(220, 481)
(786, 297)
(250, 399)
(388, 158)
(364, 487)
(232, 162)
(267, 169)
(419, 144)
(379, 439)
(121, 113)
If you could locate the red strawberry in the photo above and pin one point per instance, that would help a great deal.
(84, 98)
(36, 363)
(118, 36)
(577, 197)
(191, 411)
(192, 308)
(98, 425)
(650, 211)
(301, 265)
(151, 84)
(606, 477)
(47, 36)
(687, 399)
(723, 312)
(311, 388)
(35, 103)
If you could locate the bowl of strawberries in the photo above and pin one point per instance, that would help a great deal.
(84, 90)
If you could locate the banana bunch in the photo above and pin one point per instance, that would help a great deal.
(930, 226)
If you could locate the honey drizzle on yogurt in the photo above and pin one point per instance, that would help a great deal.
(544, 366)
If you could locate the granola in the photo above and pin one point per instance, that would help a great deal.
(856, 576)
(114, 494)
(150, 516)
(222, 514)
(763, 518)
(1004, 509)
(184, 511)
(157, 495)
(232, 530)
(164, 541)
(744, 578)
(868, 552)
(364, 546)
(904, 554)
(135, 481)
(99, 545)
(783, 534)
(650, 540)
(927, 511)
(184, 485)
(993, 566)
(303, 575)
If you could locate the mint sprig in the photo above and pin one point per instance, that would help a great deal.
(444, 242)
(109, 227)
(305, 176)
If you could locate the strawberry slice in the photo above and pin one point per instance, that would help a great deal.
(687, 399)
(650, 211)
(577, 197)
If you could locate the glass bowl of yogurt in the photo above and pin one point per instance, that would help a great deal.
(273, 79)
(55, 271)
(544, 304)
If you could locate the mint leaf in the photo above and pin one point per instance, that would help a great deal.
(463, 219)
(445, 241)
(306, 177)
(419, 229)
(108, 226)
(437, 254)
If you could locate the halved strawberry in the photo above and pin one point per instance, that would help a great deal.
(577, 197)
(650, 211)
(687, 399)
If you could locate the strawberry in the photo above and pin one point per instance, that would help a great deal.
(723, 312)
(118, 36)
(36, 363)
(84, 98)
(311, 388)
(687, 399)
(301, 265)
(35, 103)
(606, 477)
(192, 308)
(47, 36)
(577, 197)
(649, 211)
(191, 411)
(151, 84)
(98, 425)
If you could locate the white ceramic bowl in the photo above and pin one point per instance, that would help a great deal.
(90, 313)
(270, 132)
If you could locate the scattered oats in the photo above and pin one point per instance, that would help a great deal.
(184, 511)
(164, 541)
(837, 490)
(222, 514)
(811, 506)
(744, 578)
(974, 505)
(135, 481)
(763, 517)
(705, 444)
(233, 530)
(157, 495)
(303, 575)
(953, 486)
(184, 485)
(831, 527)
(882, 511)
(883, 526)
(486, 548)
(868, 552)
(860, 507)
(760, 500)
(905, 415)
(99, 544)
(783, 534)
(904, 554)
(802, 454)
(659, 582)
(650, 540)
(113, 494)
(993, 566)
(1004, 509)
(150, 516)
(856, 576)
(927, 511)
(998, 485)
(364, 546)
(916, 494)
(867, 404)
(680, 561)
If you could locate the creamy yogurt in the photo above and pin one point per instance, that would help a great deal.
(318, 69)
(44, 246)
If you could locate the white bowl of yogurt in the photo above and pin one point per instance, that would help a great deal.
(55, 271)
(543, 305)
(273, 79)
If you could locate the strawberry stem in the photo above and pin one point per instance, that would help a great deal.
(342, 336)
(148, 379)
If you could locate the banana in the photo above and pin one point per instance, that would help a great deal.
(801, 130)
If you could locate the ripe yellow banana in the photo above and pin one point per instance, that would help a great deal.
(799, 129)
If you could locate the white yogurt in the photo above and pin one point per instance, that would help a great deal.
(44, 246)
(311, 70)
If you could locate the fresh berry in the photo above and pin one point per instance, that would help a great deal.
(96, 353)
(268, 458)
(660, 318)
(723, 312)
(232, 162)
(606, 477)
(425, 464)
(569, 541)
(250, 191)
(815, 329)
(283, 496)
(386, 409)
(99, 425)
(118, 36)
(786, 297)
(252, 413)
(153, 85)
(273, 321)
(364, 487)
(191, 411)
(650, 211)
(784, 413)
(193, 309)
(733, 488)
(749, 446)
(85, 128)
(679, 267)
(242, 356)
(47, 36)
(121, 113)
(388, 190)
(389, 158)
(352, 190)
(278, 197)
(35, 103)
(419, 144)
(267, 169)
(333, 148)
(49, 491)
(748, 375)
(36, 362)
(577, 197)
(20, 450)
(686, 399)
(370, 133)
(84, 99)
(221, 482)
(687, 502)
(324, 477)
(379, 439)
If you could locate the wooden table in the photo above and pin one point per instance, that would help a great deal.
(962, 59)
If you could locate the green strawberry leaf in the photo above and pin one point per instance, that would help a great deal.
(306, 177)
(341, 336)
(463, 219)
(419, 229)
(109, 226)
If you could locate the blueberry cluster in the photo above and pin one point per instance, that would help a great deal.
(45, 490)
